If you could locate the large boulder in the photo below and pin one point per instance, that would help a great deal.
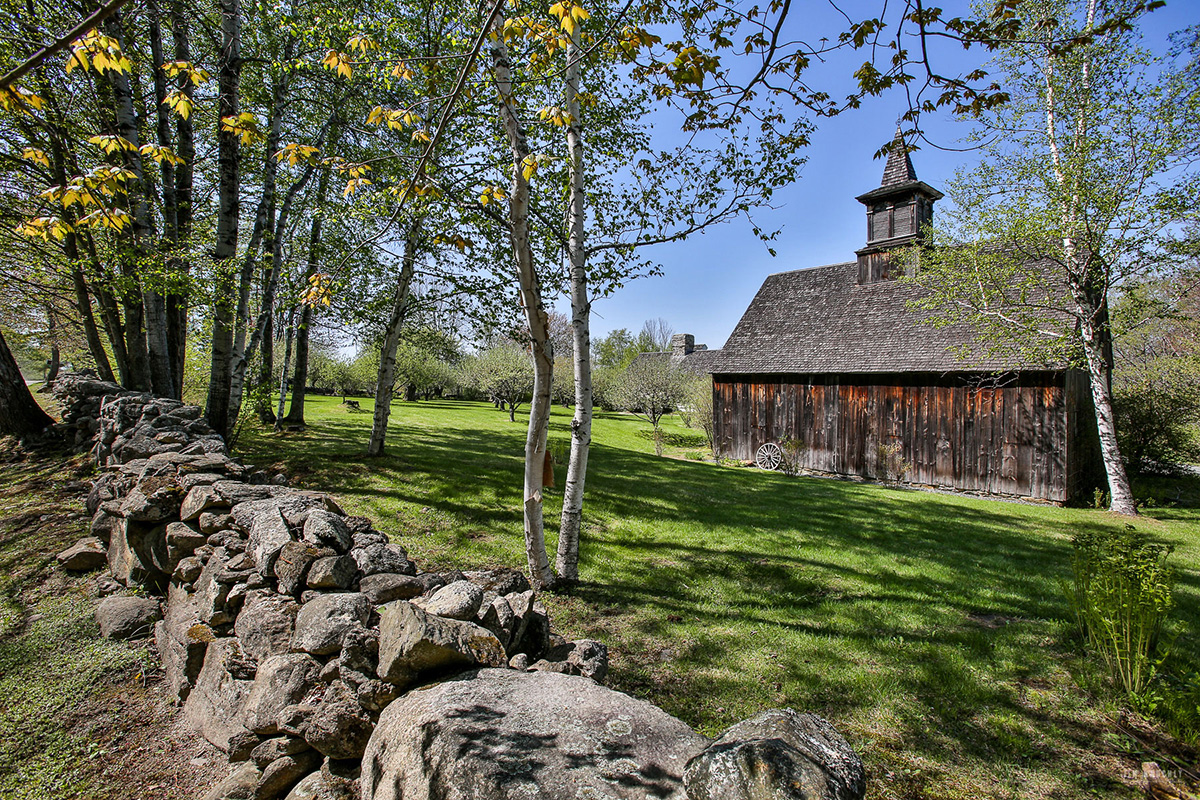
(283, 773)
(326, 529)
(239, 785)
(199, 499)
(265, 624)
(777, 755)
(127, 617)
(214, 706)
(294, 506)
(332, 572)
(376, 558)
(324, 621)
(322, 785)
(384, 587)
(504, 735)
(292, 565)
(185, 537)
(137, 554)
(504, 580)
(281, 681)
(152, 500)
(413, 643)
(212, 593)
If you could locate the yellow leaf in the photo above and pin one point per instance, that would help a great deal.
(420, 136)
(178, 102)
(568, 24)
(338, 62)
(376, 115)
(78, 59)
(580, 13)
(36, 156)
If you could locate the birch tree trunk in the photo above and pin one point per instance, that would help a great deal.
(83, 300)
(272, 231)
(263, 221)
(173, 336)
(229, 207)
(541, 574)
(289, 332)
(385, 382)
(1084, 269)
(567, 562)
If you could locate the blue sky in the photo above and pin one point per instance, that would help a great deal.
(709, 280)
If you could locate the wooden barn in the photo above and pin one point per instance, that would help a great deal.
(833, 358)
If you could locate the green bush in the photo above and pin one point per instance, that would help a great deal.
(1121, 597)
(1174, 698)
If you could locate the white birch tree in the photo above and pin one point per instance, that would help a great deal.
(1085, 179)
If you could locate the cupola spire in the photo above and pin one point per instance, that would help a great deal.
(898, 212)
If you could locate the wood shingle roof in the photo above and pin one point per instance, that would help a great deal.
(820, 320)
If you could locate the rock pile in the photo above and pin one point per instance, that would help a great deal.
(306, 645)
(123, 426)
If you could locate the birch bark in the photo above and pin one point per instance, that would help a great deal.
(385, 382)
(1082, 268)
(541, 574)
(567, 561)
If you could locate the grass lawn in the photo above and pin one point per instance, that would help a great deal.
(930, 628)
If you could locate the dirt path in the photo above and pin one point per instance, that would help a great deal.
(80, 716)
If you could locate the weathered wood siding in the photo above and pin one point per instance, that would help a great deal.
(1020, 438)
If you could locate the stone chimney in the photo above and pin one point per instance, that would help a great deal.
(682, 344)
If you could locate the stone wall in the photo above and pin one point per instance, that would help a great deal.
(308, 647)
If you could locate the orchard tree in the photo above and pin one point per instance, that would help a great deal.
(652, 387)
(1085, 180)
(503, 372)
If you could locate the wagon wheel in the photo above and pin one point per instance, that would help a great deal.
(769, 456)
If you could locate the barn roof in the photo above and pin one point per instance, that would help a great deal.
(820, 320)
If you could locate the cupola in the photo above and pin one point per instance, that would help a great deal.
(897, 214)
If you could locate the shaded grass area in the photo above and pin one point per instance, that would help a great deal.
(80, 716)
(930, 628)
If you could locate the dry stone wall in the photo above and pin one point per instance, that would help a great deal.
(307, 645)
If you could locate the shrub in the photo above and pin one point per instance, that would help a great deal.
(1121, 596)
(793, 456)
(890, 465)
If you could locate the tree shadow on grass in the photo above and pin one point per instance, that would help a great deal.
(867, 597)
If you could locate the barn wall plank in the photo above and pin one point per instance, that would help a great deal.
(1019, 439)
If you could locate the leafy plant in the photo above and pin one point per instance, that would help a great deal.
(1121, 596)
(890, 464)
(793, 450)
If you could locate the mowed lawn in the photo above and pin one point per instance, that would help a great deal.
(932, 629)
